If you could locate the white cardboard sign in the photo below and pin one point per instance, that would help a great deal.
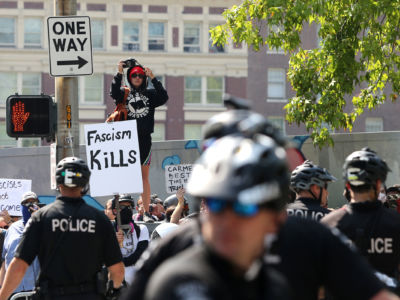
(176, 177)
(11, 191)
(113, 157)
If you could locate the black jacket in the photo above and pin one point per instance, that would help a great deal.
(307, 208)
(199, 273)
(141, 103)
(374, 229)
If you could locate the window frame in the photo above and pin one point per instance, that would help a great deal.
(82, 90)
(104, 38)
(20, 85)
(14, 42)
(139, 42)
(163, 38)
(37, 45)
(204, 90)
(199, 38)
(269, 81)
(382, 128)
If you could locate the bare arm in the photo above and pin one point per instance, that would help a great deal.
(176, 215)
(2, 273)
(117, 273)
(14, 275)
(385, 295)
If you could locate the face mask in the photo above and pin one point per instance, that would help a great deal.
(27, 211)
(126, 215)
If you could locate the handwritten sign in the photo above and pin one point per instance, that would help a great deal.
(112, 152)
(176, 177)
(11, 191)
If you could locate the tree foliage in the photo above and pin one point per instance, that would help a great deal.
(357, 57)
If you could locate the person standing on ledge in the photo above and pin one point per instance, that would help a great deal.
(140, 104)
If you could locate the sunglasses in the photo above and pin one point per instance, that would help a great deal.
(141, 76)
(216, 206)
(121, 206)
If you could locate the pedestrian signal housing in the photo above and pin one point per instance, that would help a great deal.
(30, 116)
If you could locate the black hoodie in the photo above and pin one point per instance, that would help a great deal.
(141, 103)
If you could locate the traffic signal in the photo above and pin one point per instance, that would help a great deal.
(30, 116)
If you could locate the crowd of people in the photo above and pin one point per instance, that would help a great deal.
(256, 231)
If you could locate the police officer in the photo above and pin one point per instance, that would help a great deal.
(72, 241)
(374, 229)
(308, 254)
(244, 183)
(310, 183)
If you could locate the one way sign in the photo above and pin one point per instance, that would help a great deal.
(70, 46)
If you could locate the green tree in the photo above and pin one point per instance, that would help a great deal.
(356, 59)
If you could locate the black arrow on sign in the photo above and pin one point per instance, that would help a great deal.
(80, 61)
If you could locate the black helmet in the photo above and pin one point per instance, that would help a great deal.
(307, 174)
(234, 168)
(72, 172)
(241, 122)
(123, 198)
(364, 167)
(172, 200)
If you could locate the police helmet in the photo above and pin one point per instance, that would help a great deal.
(364, 167)
(250, 171)
(72, 172)
(239, 122)
(307, 174)
(123, 198)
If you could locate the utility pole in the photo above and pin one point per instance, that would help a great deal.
(66, 96)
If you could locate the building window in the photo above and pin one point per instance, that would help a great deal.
(276, 83)
(191, 38)
(373, 124)
(204, 90)
(215, 89)
(7, 32)
(214, 48)
(8, 85)
(32, 32)
(91, 89)
(31, 84)
(5, 140)
(131, 38)
(192, 131)
(97, 29)
(160, 78)
(21, 83)
(156, 36)
(278, 122)
(159, 132)
(192, 89)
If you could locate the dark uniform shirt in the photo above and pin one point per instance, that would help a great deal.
(374, 229)
(306, 252)
(311, 255)
(307, 208)
(82, 243)
(199, 273)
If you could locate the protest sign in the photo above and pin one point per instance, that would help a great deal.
(176, 177)
(113, 157)
(11, 191)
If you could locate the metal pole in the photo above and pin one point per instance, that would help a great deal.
(66, 96)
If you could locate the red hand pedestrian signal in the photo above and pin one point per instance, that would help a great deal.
(19, 117)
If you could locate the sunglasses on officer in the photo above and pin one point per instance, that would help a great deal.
(134, 75)
(217, 206)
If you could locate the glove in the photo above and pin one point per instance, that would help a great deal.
(113, 293)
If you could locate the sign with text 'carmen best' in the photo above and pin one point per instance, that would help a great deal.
(70, 46)
(113, 157)
(11, 191)
(176, 177)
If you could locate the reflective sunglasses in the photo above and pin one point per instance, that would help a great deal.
(134, 75)
(244, 210)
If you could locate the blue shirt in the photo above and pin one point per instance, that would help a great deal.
(11, 242)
